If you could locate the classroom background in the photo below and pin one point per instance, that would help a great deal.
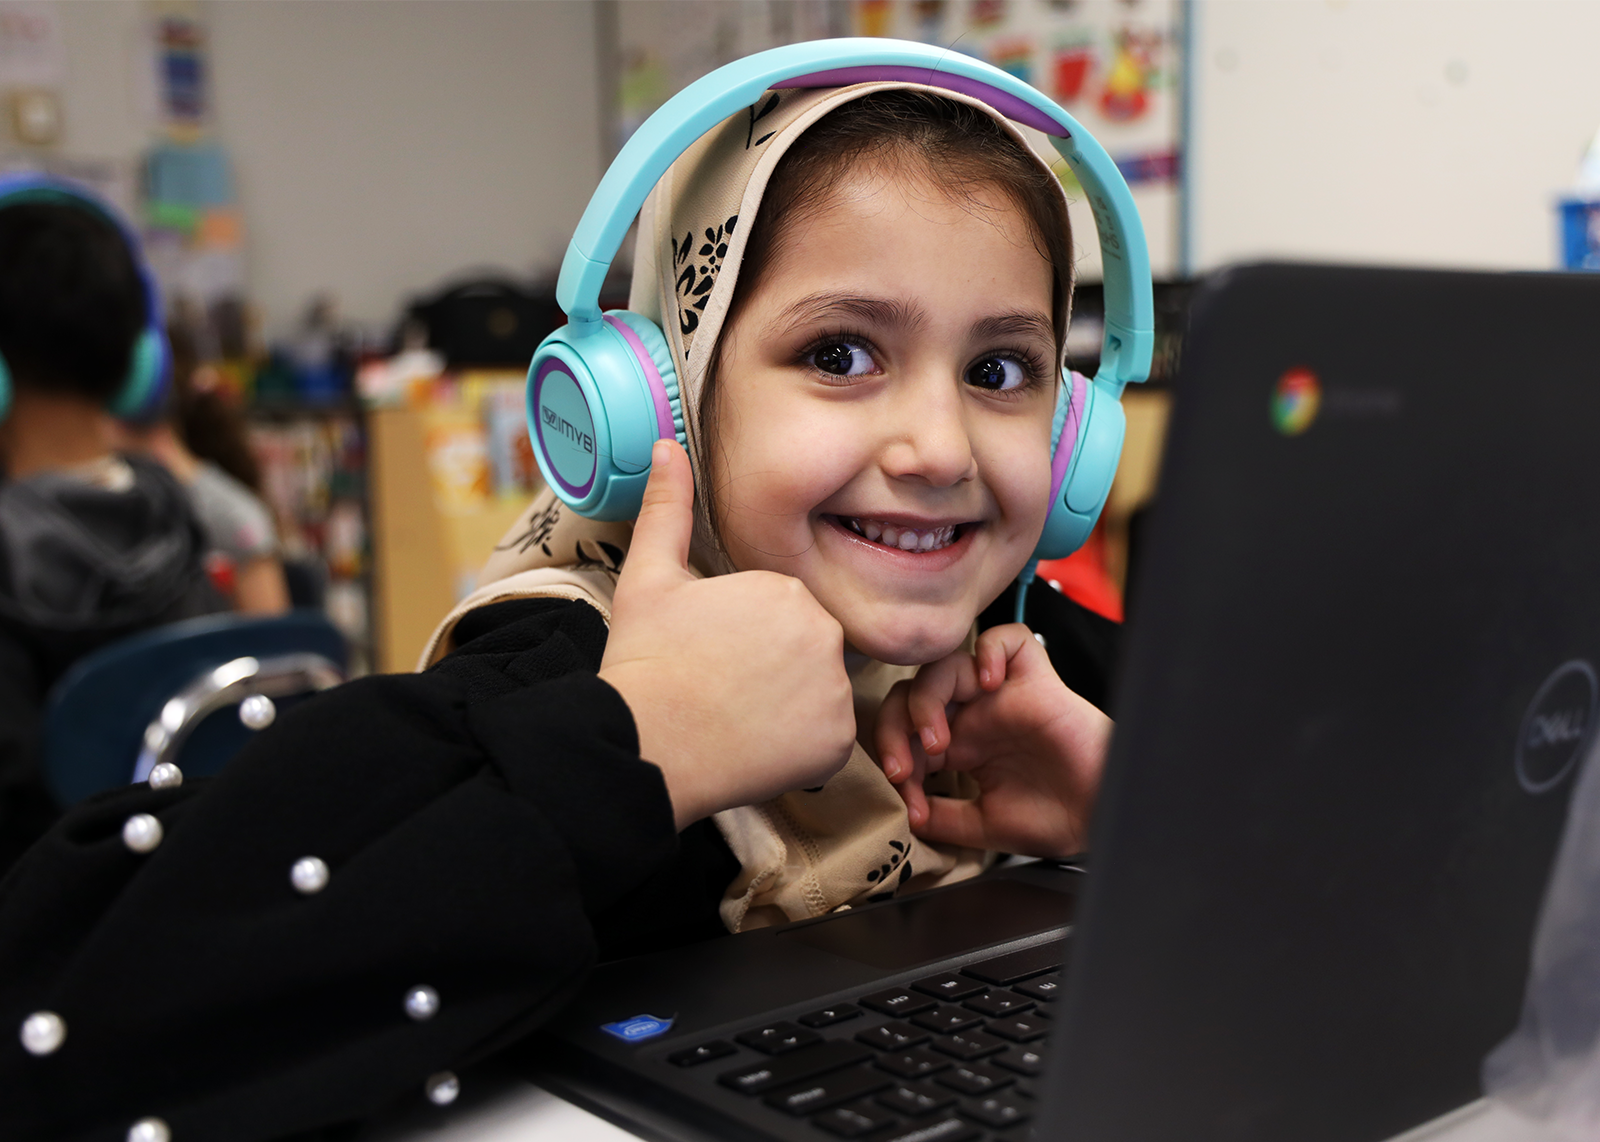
(357, 209)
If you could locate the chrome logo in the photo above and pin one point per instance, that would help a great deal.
(1295, 401)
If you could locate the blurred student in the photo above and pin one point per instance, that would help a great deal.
(94, 546)
(201, 440)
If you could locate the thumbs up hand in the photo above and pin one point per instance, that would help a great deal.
(736, 683)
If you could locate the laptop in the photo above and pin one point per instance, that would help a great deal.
(1360, 673)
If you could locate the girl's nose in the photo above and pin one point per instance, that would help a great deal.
(932, 445)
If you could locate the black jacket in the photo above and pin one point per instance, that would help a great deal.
(81, 566)
(491, 832)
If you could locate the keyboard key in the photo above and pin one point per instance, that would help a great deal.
(853, 1121)
(946, 1018)
(828, 1016)
(1023, 1060)
(948, 986)
(1019, 1028)
(915, 1099)
(968, 1045)
(704, 1053)
(1044, 987)
(827, 1090)
(913, 1064)
(897, 1001)
(778, 1038)
(1006, 970)
(998, 1002)
(892, 1036)
(999, 1110)
(817, 1059)
(943, 1130)
(975, 1078)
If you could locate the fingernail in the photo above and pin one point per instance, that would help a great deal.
(929, 738)
(891, 769)
(658, 452)
(983, 676)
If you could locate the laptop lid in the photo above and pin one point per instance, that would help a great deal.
(1361, 668)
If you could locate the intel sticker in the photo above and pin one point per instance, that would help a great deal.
(637, 1029)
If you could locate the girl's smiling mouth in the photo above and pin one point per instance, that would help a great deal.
(902, 537)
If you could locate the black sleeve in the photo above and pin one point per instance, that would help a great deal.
(474, 821)
(26, 809)
(1081, 644)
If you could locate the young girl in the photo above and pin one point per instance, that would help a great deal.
(865, 292)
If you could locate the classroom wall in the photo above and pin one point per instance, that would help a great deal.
(1397, 131)
(379, 146)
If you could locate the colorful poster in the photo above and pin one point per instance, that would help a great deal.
(1113, 64)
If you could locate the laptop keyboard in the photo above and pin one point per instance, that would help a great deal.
(948, 1058)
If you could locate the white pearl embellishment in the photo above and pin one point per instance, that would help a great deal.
(422, 1003)
(442, 1088)
(43, 1032)
(141, 833)
(257, 711)
(166, 776)
(150, 1130)
(309, 875)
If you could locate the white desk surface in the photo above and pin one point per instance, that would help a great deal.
(523, 1112)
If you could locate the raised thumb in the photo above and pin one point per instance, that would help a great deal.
(662, 532)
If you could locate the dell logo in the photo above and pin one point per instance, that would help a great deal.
(1557, 726)
(1556, 729)
(566, 428)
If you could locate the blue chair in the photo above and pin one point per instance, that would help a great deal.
(150, 698)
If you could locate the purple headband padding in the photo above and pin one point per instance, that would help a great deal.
(1017, 110)
(658, 387)
(1068, 444)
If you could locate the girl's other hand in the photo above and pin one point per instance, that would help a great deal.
(1002, 714)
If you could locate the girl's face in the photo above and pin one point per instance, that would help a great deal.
(884, 413)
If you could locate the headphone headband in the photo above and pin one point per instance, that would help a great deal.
(1130, 312)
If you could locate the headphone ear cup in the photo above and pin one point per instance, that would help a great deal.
(147, 374)
(5, 388)
(1092, 425)
(659, 355)
(599, 397)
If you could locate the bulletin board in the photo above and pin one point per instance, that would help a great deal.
(1115, 65)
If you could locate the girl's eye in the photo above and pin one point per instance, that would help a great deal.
(998, 374)
(842, 359)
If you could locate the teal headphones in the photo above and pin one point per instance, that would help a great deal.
(150, 361)
(602, 388)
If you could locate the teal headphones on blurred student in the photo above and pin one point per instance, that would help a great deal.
(150, 360)
(602, 389)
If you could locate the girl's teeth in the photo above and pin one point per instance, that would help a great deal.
(907, 539)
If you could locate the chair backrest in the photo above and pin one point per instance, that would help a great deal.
(148, 698)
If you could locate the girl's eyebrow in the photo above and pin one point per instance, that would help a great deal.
(878, 311)
(889, 312)
(1023, 325)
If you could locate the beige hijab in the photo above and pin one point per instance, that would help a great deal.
(810, 851)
